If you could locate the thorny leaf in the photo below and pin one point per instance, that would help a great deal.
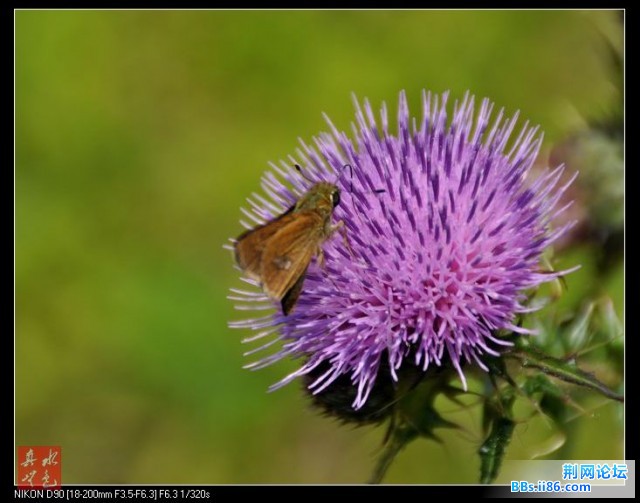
(567, 371)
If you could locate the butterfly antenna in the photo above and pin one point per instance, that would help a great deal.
(302, 173)
(351, 171)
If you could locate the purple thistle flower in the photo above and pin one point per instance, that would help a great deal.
(439, 260)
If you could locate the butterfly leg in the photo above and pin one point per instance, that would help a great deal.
(339, 226)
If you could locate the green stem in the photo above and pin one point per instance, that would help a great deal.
(396, 443)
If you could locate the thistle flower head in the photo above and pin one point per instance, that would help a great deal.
(438, 262)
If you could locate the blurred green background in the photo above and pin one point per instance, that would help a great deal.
(138, 136)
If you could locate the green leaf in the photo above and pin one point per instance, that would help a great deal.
(577, 333)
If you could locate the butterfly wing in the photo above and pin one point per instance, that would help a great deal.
(287, 255)
(291, 296)
(250, 245)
